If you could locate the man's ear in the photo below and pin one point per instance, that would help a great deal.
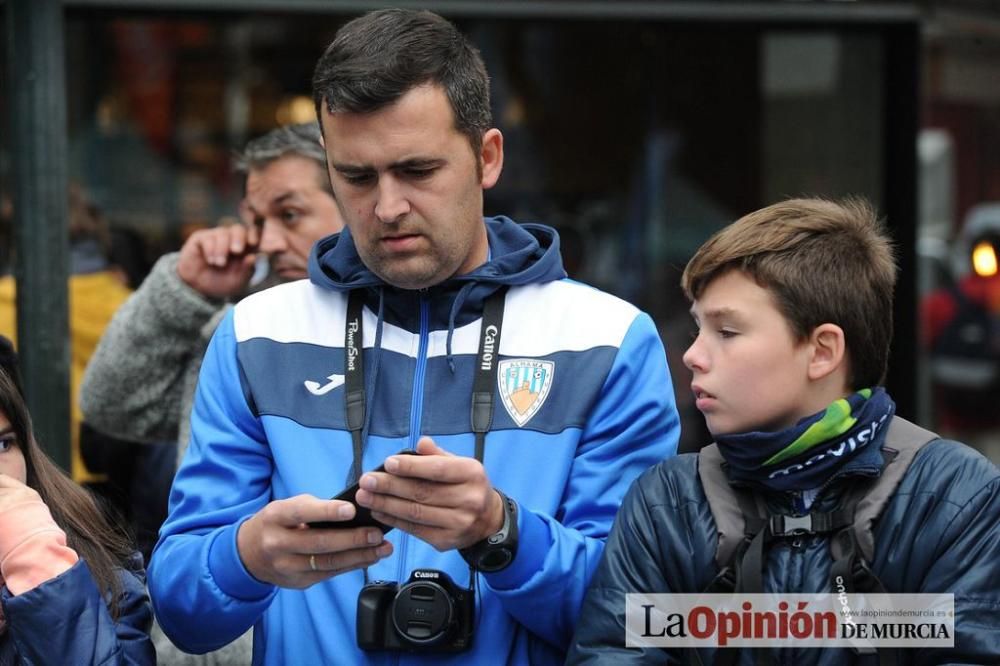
(829, 351)
(491, 157)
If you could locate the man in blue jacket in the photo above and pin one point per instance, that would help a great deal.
(793, 305)
(531, 401)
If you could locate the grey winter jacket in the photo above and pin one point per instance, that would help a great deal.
(139, 385)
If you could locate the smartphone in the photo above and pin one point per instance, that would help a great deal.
(362, 516)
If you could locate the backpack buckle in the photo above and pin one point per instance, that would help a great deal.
(724, 582)
(792, 525)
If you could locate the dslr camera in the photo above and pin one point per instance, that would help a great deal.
(428, 613)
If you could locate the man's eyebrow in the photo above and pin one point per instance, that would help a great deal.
(412, 163)
(278, 200)
(284, 198)
(352, 168)
(418, 162)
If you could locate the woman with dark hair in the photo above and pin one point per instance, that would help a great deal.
(72, 587)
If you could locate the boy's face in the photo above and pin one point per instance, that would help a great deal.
(750, 374)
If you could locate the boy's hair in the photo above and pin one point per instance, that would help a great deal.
(824, 262)
(379, 57)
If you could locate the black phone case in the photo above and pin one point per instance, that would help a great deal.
(362, 516)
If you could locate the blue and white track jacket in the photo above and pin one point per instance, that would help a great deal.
(583, 405)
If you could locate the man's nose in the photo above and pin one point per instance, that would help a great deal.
(392, 203)
(273, 237)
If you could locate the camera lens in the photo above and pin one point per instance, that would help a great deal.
(422, 612)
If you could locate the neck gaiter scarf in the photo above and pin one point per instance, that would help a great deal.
(845, 437)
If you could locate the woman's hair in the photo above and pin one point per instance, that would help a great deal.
(104, 546)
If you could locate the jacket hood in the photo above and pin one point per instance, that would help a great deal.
(519, 254)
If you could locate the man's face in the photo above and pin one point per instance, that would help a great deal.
(410, 188)
(750, 372)
(288, 198)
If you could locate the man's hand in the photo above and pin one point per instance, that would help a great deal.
(219, 262)
(277, 546)
(444, 499)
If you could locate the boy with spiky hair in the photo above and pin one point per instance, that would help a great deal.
(813, 482)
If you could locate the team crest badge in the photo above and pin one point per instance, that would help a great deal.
(524, 385)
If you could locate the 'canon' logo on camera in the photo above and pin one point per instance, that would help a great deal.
(429, 613)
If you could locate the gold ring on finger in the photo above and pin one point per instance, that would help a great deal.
(312, 562)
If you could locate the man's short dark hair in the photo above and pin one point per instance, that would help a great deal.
(380, 56)
(301, 140)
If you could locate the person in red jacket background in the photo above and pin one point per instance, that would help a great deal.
(961, 331)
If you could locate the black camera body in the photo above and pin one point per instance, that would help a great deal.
(428, 613)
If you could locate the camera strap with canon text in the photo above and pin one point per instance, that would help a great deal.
(483, 388)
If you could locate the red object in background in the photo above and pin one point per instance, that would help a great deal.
(961, 410)
(147, 69)
(939, 306)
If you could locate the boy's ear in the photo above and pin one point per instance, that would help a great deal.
(829, 351)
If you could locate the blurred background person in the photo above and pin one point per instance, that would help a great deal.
(139, 385)
(961, 331)
(96, 290)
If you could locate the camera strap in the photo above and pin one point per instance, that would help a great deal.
(484, 385)
(354, 378)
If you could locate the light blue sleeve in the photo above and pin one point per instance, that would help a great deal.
(633, 425)
(202, 594)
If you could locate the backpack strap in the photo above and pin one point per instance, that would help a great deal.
(902, 441)
(723, 502)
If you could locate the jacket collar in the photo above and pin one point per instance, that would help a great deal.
(520, 254)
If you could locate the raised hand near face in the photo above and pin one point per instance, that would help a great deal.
(219, 262)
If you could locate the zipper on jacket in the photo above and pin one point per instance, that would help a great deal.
(417, 400)
(416, 409)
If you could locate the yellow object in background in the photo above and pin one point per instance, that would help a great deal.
(984, 259)
(93, 300)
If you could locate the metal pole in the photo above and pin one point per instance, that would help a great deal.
(36, 64)
(901, 123)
